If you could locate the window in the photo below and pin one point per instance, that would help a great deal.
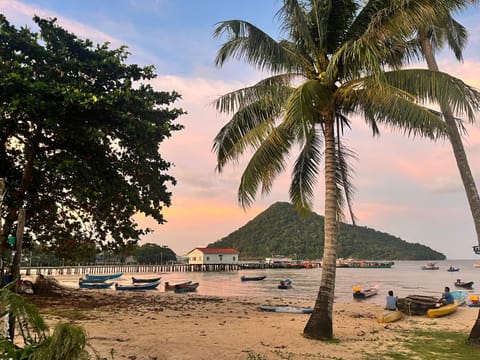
(208, 258)
(234, 258)
(220, 257)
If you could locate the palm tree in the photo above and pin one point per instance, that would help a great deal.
(330, 65)
(431, 37)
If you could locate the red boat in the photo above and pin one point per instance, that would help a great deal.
(174, 286)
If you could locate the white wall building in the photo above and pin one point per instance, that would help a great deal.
(206, 256)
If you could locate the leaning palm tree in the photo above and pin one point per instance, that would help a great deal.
(431, 37)
(331, 65)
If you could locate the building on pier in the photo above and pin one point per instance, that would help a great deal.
(210, 256)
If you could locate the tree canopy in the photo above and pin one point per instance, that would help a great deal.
(80, 131)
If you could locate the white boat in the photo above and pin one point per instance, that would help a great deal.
(430, 266)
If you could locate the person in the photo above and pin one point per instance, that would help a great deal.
(447, 296)
(391, 301)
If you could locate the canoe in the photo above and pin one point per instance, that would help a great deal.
(359, 294)
(169, 286)
(92, 278)
(186, 288)
(285, 284)
(388, 316)
(253, 278)
(145, 280)
(286, 309)
(464, 284)
(136, 287)
(442, 310)
(82, 284)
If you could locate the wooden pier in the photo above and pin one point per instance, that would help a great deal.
(110, 269)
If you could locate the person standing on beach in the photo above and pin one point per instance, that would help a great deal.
(447, 296)
(391, 301)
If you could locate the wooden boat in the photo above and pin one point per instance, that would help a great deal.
(253, 278)
(92, 278)
(136, 287)
(388, 316)
(186, 288)
(442, 310)
(286, 309)
(359, 294)
(452, 269)
(416, 304)
(285, 284)
(83, 284)
(462, 284)
(430, 266)
(145, 280)
(169, 286)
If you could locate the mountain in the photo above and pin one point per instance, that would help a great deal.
(279, 230)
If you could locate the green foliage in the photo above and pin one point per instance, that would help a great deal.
(80, 131)
(154, 254)
(280, 230)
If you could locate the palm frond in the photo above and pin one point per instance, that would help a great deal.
(247, 42)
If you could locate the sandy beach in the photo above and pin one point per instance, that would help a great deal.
(159, 325)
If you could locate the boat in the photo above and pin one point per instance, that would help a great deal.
(83, 284)
(452, 269)
(359, 294)
(430, 266)
(442, 310)
(474, 300)
(106, 277)
(136, 287)
(388, 316)
(476, 265)
(253, 278)
(370, 264)
(169, 286)
(464, 284)
(416, 304)
(285, 284)
(145, 280)
(286, 309)
(186, 288)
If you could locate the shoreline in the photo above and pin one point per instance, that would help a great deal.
(147, 325)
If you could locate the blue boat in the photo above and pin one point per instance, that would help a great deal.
(145, 280)
(285, 284)
(83, 284)
(136, 287)
(92, 278)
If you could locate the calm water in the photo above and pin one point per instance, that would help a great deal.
(404, 278)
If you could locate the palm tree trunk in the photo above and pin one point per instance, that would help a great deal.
(462, 164)
(320, 323)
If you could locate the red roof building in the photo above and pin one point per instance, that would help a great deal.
(213, 256)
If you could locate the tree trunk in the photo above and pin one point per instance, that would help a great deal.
(320, 323)
(462, 164)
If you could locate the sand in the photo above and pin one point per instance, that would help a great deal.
(159, 325)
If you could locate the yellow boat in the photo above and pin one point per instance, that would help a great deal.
(388, 316)
(442, 310)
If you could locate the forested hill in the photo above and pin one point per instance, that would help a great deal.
(280, 230)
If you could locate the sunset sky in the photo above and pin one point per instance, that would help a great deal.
(409, 188)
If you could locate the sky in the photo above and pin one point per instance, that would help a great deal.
(409, 188)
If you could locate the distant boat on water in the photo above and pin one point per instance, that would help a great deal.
(430, 266)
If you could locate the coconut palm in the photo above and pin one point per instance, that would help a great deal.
(330, 66)
(430, 38)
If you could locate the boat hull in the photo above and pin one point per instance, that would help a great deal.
(253, 278)
(92, 278)
(138, 287)
(94, 285)
(286, 309)
(388, 316)
(144, 280)
(442, 310)
(187, 288)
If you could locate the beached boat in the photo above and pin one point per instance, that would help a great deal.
(463, 284)
(416, 304)
(83, 284)
(430, 266)
(285, 284)
(452, 269)
(358, 293)
(186, 288)
(145, 280)
(442, 310)
(253, 278)
(92, 278)
(137, 287)
(388, 316)
(286, 309)
(169, 286)
(460, 297)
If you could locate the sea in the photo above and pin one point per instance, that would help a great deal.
(403, 278)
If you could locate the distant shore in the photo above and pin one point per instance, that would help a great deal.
(154, 325)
